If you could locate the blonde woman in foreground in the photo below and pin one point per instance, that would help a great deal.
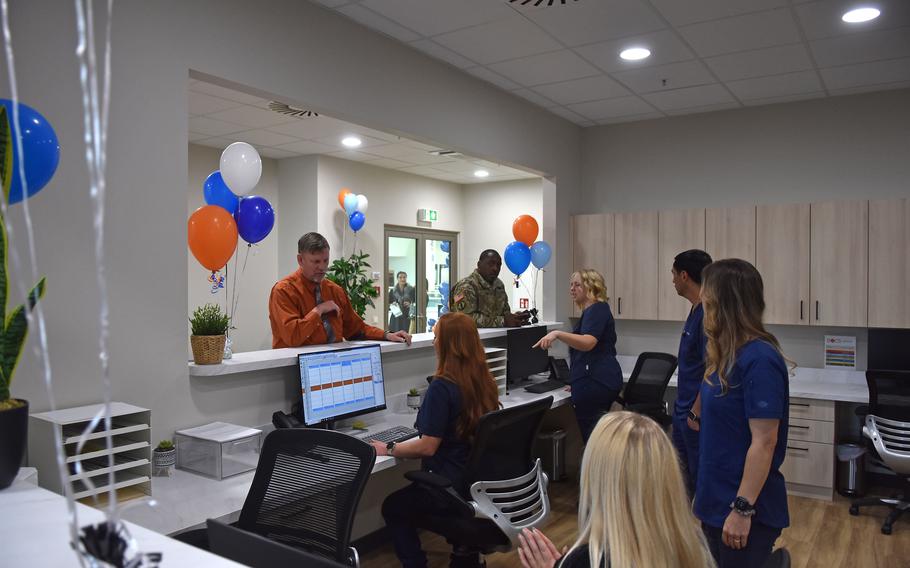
(633, 511)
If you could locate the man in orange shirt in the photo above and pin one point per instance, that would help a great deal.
(307, 309)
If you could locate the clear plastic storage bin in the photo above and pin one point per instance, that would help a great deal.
(218, 449)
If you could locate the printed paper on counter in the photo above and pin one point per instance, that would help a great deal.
(840, 352)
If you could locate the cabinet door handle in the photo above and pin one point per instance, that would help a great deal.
(798, 426)
(798, 449)
(620, 305)
(816, 310)
(800, 310)
(799, 404)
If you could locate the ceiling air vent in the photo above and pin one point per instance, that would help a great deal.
(283, 108)
(539, 2)
(447, 153)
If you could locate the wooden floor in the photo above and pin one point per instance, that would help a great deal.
(821, 534)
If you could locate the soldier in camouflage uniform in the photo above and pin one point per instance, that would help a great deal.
(483, 296)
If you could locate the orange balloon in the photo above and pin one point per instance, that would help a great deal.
(524, 229)
(341, 195)
(212, 236)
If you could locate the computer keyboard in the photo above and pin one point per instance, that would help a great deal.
(546, 386)
(395, 434)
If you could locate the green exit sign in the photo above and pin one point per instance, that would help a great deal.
(427, 215)
(433, 214)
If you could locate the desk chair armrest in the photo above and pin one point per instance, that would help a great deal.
(645, 407)
(442, 486)
(428, 479)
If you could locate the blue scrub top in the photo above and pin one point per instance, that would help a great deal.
(598, 364)
(758, 388)
(691, 366)
(437, 417)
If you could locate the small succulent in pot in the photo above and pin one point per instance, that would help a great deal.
(414, 399)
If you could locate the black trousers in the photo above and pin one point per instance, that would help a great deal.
(401, 511)
(591, 401)
(758, 547)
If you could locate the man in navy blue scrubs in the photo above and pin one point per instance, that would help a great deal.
(687, 267)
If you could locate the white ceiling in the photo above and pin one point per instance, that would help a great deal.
(712, 54)
(219, 116)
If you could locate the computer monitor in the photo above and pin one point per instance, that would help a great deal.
(888, 349)
(522, 361)
(340, 383)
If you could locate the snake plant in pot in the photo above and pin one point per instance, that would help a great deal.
(13, 331)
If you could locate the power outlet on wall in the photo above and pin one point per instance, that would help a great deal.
(376, 275)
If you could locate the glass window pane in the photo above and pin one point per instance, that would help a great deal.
(401, 294)
(438, 275)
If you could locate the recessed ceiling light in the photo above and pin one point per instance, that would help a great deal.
(635, 53)
(352, 142)
(859, 15)
(481, 173)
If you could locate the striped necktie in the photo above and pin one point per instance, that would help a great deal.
(329, 332)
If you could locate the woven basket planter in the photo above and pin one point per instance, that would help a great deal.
(207, 349)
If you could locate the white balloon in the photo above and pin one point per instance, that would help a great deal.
(241, 167)
(362, 203)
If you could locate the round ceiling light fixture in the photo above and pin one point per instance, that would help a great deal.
(859, 15)
(481, 173)
(635, 53)
(351, 142)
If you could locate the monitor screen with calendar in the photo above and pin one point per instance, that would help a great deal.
(341, 383)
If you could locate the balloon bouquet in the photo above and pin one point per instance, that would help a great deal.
(213, 230)
(355, 207)
(523, 251)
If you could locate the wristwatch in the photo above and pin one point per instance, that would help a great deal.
(694, 417)
(742, 506)
(389, 447)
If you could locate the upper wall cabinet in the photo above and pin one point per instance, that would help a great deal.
(889, 263)
(592, 238)
(635, 265)
(730, 233)
(782, 258)
(677, 231)
(840, 263)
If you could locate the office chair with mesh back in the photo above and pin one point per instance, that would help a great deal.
(256, 551)
(888, 426)
(644, 393)
(508, 489)
(305, 492)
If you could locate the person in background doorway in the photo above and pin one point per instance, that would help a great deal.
(307, 309)
(740, 495)
(401, 296)
(687, 267)
(596, 377)
(482, 295)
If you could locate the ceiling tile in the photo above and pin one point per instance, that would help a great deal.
(690, 97)
(580, 90)
(870, 88)
(630, 118)
(377, 134)
(495, 78)
(691, 11)
(568, 114)
(213, 127)
(664, 77)
(275, 153)
(767, 61)
(388, 163)
(707, 108)
(365, 141)
(609, 108)
(874, 73)
(195, 137)
(823, 19)
(535, 98)
(741, 33)
(200, 103)
(857, 48)
(545, 68)
(457, 167)
(264, 137)
(776, 86)
(306, 147)
(665, 47)
(784, 99)
(433, 17)
(422, 170)
(589, 22)
(312, 128)
(392, 151)
(252, 117)
(351, 155)
(332, 3)
(500, 40)
(433, 49)
(216, 142)
(424, 158)
(224, 93)
(379, 23)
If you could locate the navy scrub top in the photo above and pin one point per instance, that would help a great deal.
(691, 361)
(758, 388)
(598, 364)
(438, 417)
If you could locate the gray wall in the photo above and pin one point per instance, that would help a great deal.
(297, 188)
(288, 48)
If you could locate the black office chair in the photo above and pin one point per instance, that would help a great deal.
(256, 551)
(644, 393)
(306, 489)
(780, 558)
(888, 426)
(508, 489)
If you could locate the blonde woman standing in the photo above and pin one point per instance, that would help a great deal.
(633, 511)
(595, 373)
(740, 495)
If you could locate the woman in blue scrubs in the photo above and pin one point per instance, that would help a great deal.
(594, 371)
(740, 495)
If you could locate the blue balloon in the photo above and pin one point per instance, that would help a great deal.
(255, 218)
(216, 192)
(540, 254)
(517, 256)
(41, 148)
(444, 288)
(356, 220)
(445, 246)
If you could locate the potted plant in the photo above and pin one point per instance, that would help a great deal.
(13, 331)
(414, 399)
(351, 275)
(164, 457)
(209, 326)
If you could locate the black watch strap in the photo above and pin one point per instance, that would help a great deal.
(742, 506)
(389, 447)
(694, 417)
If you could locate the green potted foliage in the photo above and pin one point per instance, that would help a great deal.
(164, 457)
(351, 275)
(414, 399)
(209, 325)
(13, 331)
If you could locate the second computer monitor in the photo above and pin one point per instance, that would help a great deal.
(341, 383)
(522, 360)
